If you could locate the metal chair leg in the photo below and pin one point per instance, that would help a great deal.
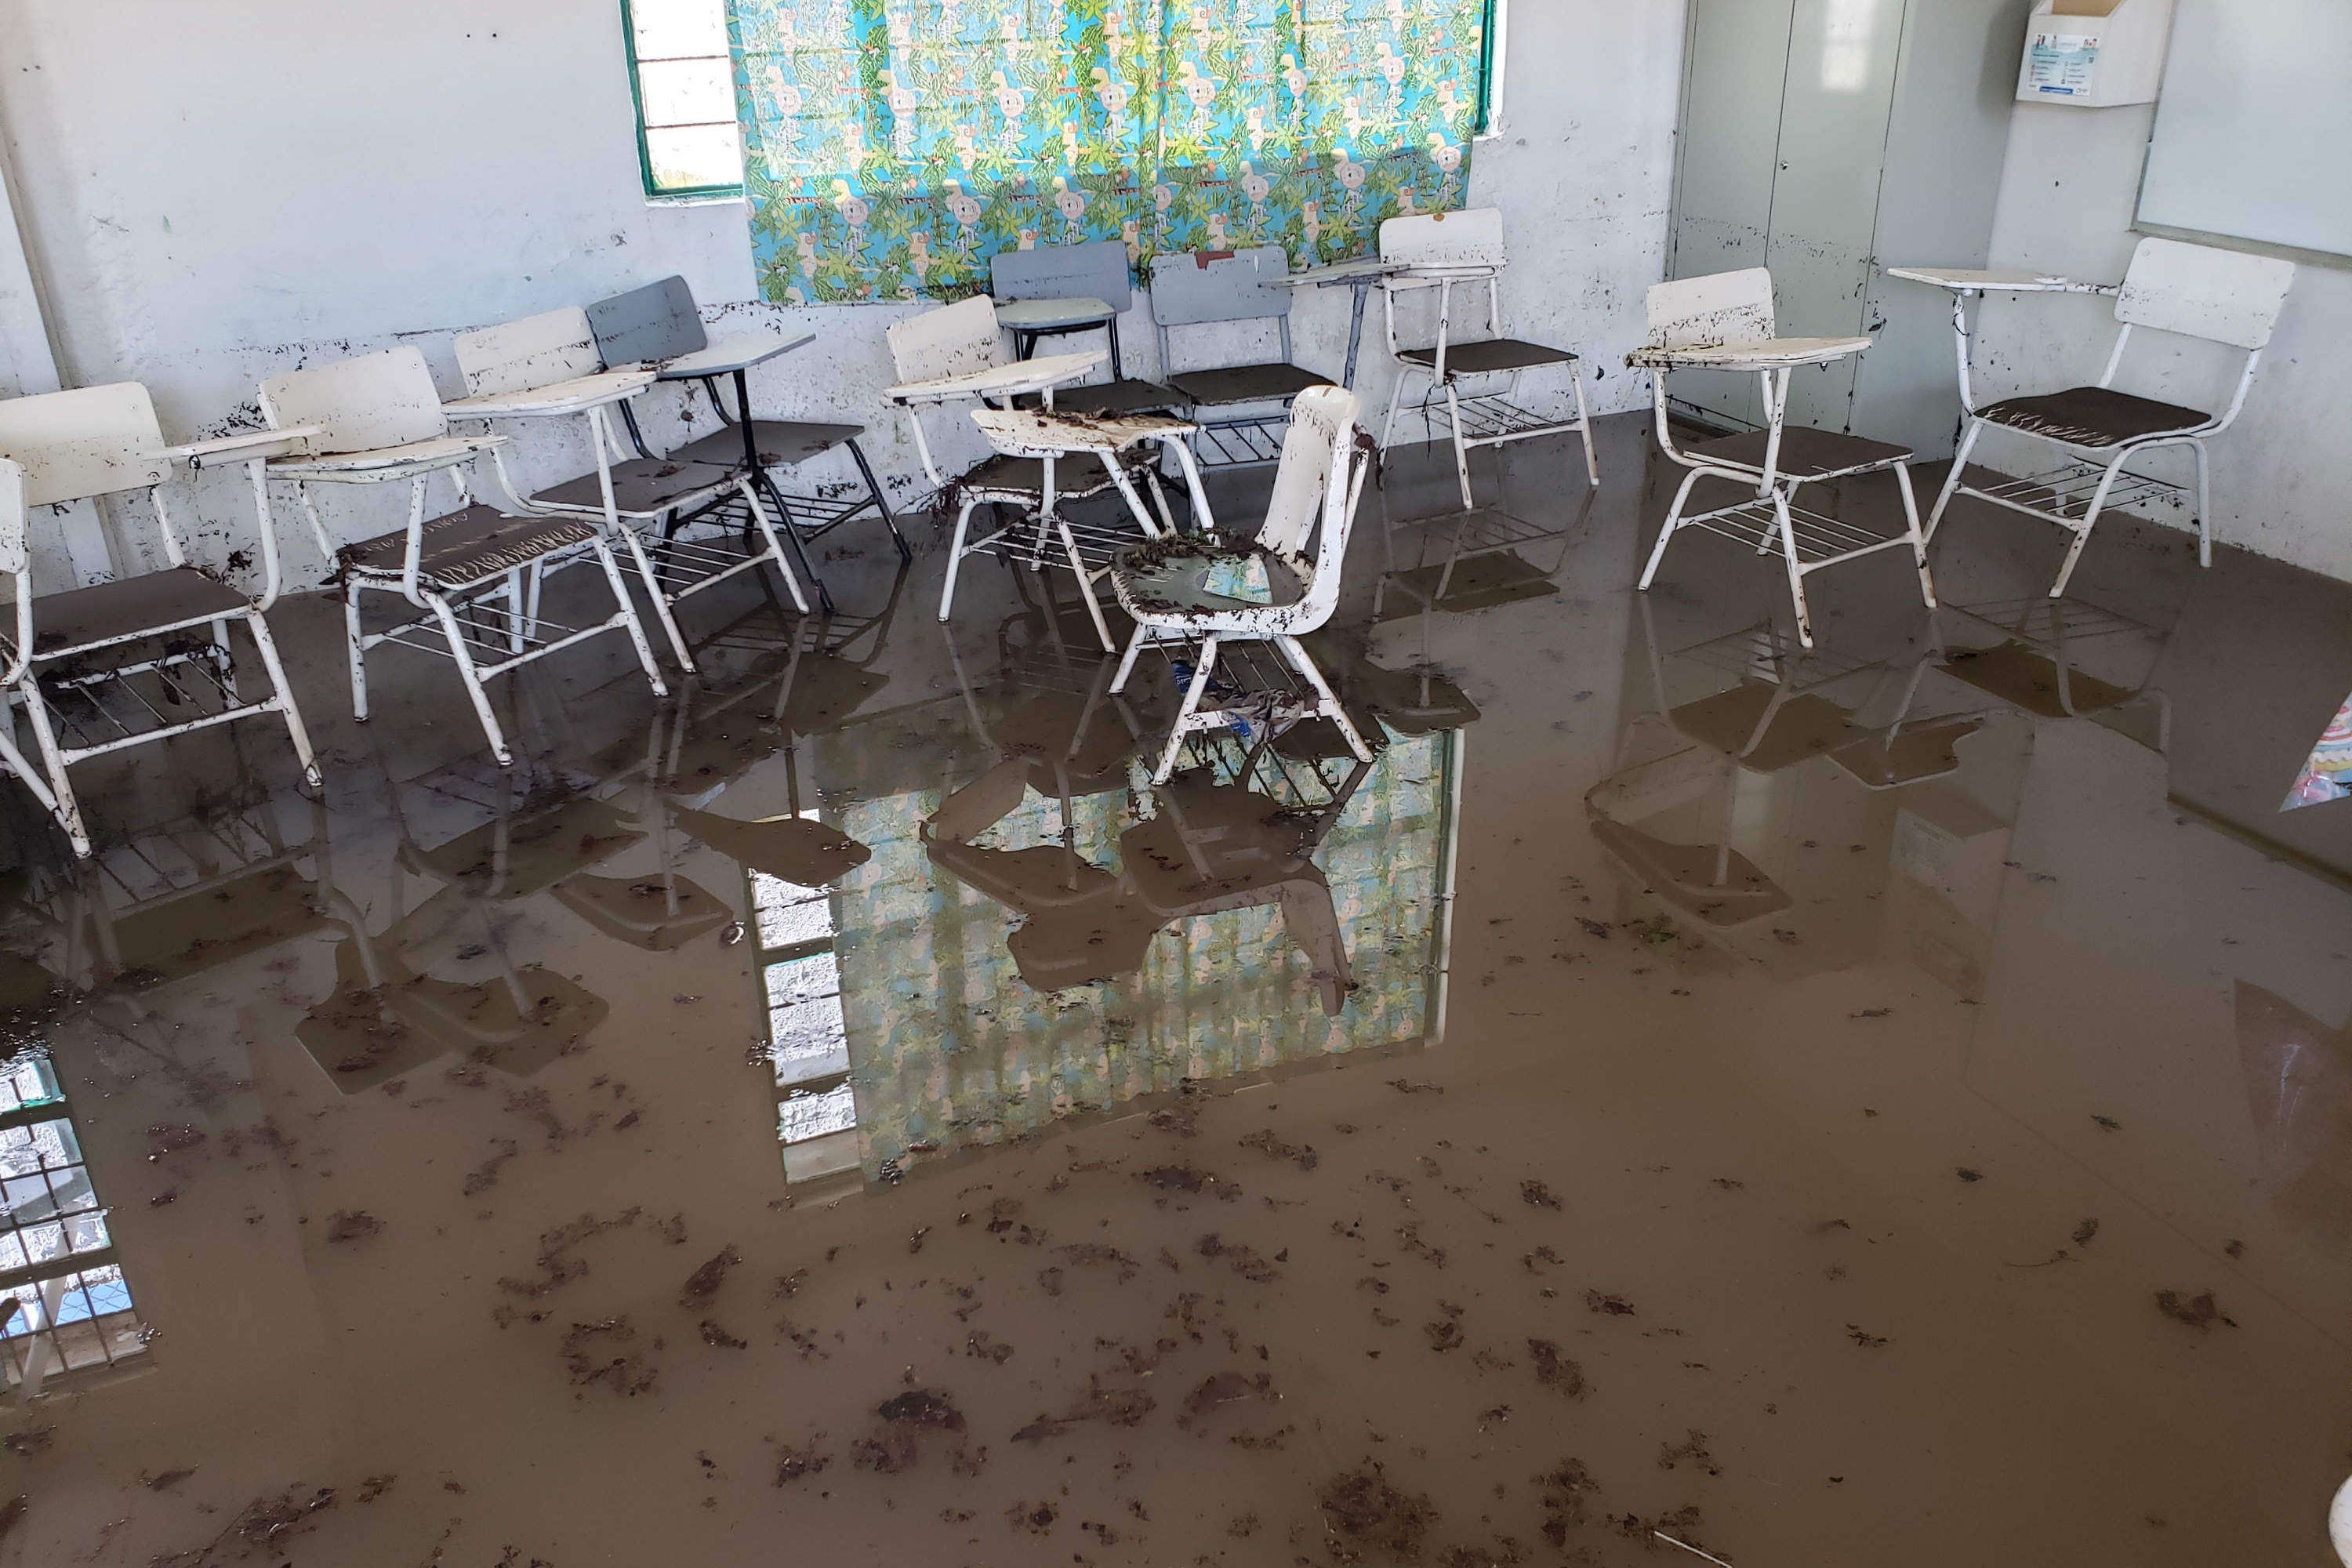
(2204, 506)
(775, 546)
(1329, 701)
(1952, 479)
(1673, 521)
(1126, 664)
(1788, 526)
(1584, 420)
(956, 555)
(1192, 694)
(358, 642)
(660, 600)
(62, 804)
(282, 698)
(627, 615)
(874, 488)
(463, 655)
(2090, 518)
(1918, 539)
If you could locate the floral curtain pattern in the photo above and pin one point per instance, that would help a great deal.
(892, 146)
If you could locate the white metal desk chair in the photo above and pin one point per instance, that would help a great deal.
(547, 366)
(167, 631)
(955, 355)
(1725, 321)
(1447, 252)
(379, 421)
(1210, 287)
(2188, 291)
(1056, 290)
(659, 326)
(1167, 588)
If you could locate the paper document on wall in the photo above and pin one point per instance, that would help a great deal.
(2065, 63)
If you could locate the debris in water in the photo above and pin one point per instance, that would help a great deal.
(703, 1284)
(2199, 1312)
(1868, 1342)
(1537, 1194)
(1615, 1306)
(1556, 1371)
(352, 1224)
(1361, 1511)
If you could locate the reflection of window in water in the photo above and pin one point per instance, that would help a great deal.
(69, 1308)
(816, 1116)
(951, 1049)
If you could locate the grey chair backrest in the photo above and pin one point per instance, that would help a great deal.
(648, 325)
(1096, 270)
(1204, 287)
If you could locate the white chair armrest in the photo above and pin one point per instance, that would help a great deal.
(1761, 353)
(1997, 280)
(384, 463)
(731, 354)
(573, 396)
(244, 447)
(1002, 380)
(1041, 433)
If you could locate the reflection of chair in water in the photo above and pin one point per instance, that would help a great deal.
(1212, 846)
(2035, 666)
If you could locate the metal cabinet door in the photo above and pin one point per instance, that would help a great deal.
(1837, 94)
(1734, 67)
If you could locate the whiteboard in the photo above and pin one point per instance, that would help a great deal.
(2254, 128)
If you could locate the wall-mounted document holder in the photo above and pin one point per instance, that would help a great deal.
(2095, 53)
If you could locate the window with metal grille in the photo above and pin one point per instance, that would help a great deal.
(684, 84)
(65, 1307)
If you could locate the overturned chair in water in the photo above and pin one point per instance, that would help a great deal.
(1726, 323)
(81, 665)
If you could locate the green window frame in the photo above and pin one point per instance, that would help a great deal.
(655, 189)
(1490, 96)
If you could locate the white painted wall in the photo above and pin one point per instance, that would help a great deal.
(2281, 474)
(215, 190)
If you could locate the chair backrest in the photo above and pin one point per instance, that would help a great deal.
(538, 351)
(1471, 237)
(951, 340)
(15, 553)
(1204, 286)
(2197, 291)
(647, 325)
(1317, 480)
(358, 404)
(90, 441)
(1096, 270)
(1720, 308)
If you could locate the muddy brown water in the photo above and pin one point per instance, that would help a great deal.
(1891, 1105)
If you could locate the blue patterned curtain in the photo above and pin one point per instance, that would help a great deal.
(893, 146)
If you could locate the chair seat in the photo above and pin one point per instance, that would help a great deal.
(1804, 454)
(62, 622)
(1129, 397)
(471, 546)
(1167, 581)
(1080, 473)
(1494, 354)
(782, 443)
(1244, 383)
(2091, 417)
(641, 486)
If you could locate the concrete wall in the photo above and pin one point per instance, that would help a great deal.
(216, 190)
(2281, 474)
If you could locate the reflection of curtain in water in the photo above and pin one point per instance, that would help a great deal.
(950, 1047)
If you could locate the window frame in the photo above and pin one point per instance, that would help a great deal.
(19, 1348)
(1492, 38)
(656, 191)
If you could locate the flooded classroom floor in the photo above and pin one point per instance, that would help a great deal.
(1885, 1104)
